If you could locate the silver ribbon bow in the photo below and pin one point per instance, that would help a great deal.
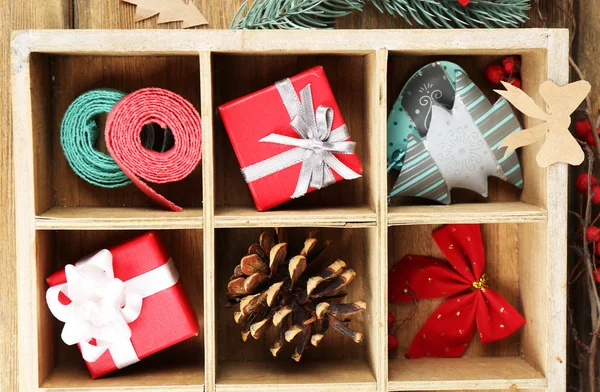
(314, 148)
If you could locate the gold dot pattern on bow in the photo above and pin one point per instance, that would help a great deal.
(439, 316)
(501, 310)
(458, 313)
(461, 331)
(468, 238)
(501, 325)
(481, 284)
(451, 246)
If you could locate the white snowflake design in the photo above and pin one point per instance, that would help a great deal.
(461, 150)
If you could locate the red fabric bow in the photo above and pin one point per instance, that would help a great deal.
(451, 327)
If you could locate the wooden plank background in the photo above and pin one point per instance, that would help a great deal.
(112, 14)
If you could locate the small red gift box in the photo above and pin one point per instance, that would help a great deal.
(290, 139)
(122, 305)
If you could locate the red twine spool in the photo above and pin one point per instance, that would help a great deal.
(168, 110)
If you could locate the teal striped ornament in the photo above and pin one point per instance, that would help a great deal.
(453, 137)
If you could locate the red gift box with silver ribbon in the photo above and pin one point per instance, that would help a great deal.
(290, 139)
(122, 304)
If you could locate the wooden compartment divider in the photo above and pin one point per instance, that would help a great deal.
(60, 218)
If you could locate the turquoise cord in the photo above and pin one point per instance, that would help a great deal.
(79, 133)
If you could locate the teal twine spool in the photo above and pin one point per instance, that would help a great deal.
(79, 133)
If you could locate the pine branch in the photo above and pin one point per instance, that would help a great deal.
(450, 14)
(292, 14)
(311, 14)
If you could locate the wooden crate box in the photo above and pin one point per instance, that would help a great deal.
(61, 218)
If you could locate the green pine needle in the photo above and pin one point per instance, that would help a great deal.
(315, 14)
(292, 14)
(451, 14)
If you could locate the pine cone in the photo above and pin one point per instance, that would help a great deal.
(297, 296)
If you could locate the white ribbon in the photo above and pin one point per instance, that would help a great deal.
(102, 306)
(314, 148)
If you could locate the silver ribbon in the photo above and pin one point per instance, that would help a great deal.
(314, 148)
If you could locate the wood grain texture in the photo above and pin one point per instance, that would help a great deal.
(210, 359)
(181, 364)
(467, 213)
(25, 14)
(223, 246)
(556, 233)
(15, 15)
(99, 218)
(74, 75)
(346, 76)
(330, 217)
(586, 48)
(306, 376)
(501, 267)
(450, 374)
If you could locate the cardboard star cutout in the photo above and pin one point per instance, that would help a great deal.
(462, 147)
(560, 145)
(169, 11)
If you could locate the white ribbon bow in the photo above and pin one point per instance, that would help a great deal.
(102, 306)
(315, 147)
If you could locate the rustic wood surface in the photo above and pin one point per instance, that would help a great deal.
(110, 14)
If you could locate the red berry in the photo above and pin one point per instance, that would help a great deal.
(582, 127)
(391, 319)
(494, 73)
(515, 81)
(596, 194)
(511, 64)
(593, 234)
(392, 342)
(582, 182)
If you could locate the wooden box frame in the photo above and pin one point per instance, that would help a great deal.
(59, 219)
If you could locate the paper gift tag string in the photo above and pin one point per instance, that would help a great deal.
(471, 302)
(167, 110)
